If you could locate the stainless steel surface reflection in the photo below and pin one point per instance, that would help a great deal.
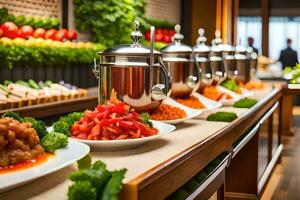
(183, 68)
(185, 77)
(206, 71)
(218, 68)
(136, 85)
(201, 53)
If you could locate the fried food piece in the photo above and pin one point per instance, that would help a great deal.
(18, 142)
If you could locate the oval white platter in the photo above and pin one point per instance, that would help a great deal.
(62, 158)
(190, 112)
(208, 103)
(115, 145)
(247, 93)
(229, 102)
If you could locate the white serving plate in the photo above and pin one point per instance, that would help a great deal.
(190, 112)
(114, 145)
(229, 102)
(246, 93)
(208, 103)
(62, 158)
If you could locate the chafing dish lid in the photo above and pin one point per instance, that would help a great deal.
(176, 46)
(240, 49)
(200, 43)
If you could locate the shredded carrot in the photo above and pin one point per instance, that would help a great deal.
(167, 112)
(212, 92)
(191, 102)
(252, 85)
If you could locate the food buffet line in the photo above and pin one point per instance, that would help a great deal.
(183, 122)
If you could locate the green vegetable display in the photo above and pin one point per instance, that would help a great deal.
(180, 194)
(222, 116)
(34, 22)
(15, 55)
(160, 23)
(231, 85)
(191, 185)
(53, 141)
(101, 17)
(96, 183)
(245, 103)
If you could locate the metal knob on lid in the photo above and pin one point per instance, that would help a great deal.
(136, 35)
(178, 36)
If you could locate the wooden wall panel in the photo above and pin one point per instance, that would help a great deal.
(164, 9)
(214, 15)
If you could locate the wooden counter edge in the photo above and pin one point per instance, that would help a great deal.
(242, 124)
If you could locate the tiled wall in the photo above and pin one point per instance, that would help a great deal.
(164, 9)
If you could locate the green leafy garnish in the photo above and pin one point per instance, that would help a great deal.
(96, 182)
(222, 116)
(145, 119)
(231, 85)
(85, 162)
(245, 103)
(13, 115)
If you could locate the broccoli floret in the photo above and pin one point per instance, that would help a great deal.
(13, 115)
(67, 120)
(245, 103)
(75, 116)
(62, 127)
(222, 116)
(98, 177)
(82, 190)
(53, 141)
(38, 125)
(98, 165)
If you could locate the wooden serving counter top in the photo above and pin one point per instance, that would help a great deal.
(158, 168)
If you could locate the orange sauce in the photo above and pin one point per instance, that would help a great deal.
(27, 164)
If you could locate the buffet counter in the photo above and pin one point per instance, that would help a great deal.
(162, 166)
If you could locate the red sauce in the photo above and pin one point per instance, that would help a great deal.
(27, 164)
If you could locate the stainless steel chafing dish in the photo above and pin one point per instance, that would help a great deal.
(201, 53)
(180, 62)
(229, 61)
(216, 59)
(136, 73)
(242, 64)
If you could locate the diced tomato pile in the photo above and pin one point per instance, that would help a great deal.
(112, 121)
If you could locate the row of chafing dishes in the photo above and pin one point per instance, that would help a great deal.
(143, 78)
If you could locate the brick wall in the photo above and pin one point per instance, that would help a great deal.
(164, 9)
